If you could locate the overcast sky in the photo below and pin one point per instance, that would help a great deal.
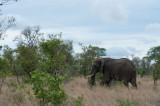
(123, 27)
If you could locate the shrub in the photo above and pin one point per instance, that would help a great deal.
(4, 68)
(156, 73)
(141, 71)
(46, 87)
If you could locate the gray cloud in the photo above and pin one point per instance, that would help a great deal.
(111, 10)
(117, 52)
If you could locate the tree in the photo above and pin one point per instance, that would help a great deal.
(4, 68)
(69, 60)
(141, 71)
(54, 54)
(27, 58)
(143, 66)
(89, 54)
(68, 51)
(9, 54)
(156, 73)
(29, 37)
(146, 64)
(136, 61)
(6, 21)
(154, 54)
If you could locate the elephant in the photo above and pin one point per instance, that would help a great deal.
(114, 69)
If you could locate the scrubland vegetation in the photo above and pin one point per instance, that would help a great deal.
(79, 94)
(43, 69)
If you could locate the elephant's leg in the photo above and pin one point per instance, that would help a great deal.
(107, 81)
(102, 82)
(107, 78)
(133, 82)
(126, 83)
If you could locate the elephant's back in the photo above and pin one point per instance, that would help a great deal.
(121, 67)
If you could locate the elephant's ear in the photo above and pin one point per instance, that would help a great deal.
(102, 65)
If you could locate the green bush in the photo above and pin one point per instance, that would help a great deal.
(156, 73)
(4, 70)
(47, 88)
(4, 67)
(141, 71)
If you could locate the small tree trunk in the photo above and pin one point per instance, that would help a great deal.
(55, 73)
(16, 74)
(155, 83)
(2, 80)
(28, 74)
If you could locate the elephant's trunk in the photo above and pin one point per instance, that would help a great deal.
(93, 79)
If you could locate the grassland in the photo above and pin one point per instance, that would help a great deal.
(80, 93)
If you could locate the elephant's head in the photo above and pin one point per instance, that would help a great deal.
(96, 67)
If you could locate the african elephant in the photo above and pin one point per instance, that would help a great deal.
(114, 69)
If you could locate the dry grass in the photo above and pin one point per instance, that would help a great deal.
(16, 97)
(145, 95)
(104, 96)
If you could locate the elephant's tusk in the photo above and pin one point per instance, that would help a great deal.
(90, 75)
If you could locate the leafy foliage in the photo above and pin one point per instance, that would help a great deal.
(8, 53)
(154, 54)
(143, 66)
(141, 71)
(4, 66)
(54, 56)
(27, 58)
(46, 87)
(4, 69)
(156, 73)
(89, 54)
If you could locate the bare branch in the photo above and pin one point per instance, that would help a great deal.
(7, 2)
(5, 24)
(29, 37)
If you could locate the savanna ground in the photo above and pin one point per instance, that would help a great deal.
(79, 93)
